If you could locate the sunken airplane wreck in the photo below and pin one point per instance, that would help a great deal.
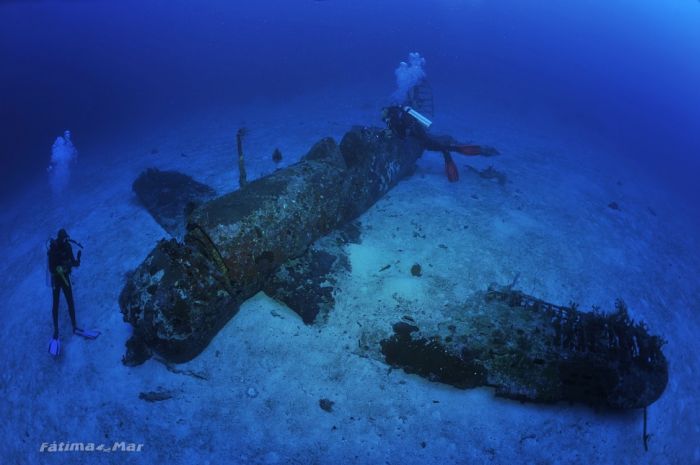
(284, 234)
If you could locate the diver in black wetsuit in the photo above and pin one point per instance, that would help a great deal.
(61, 261)
(404, 120)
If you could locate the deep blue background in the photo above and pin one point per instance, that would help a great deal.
(627, 70)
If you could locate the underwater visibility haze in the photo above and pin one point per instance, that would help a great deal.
(298, 231)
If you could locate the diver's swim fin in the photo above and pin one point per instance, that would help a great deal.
(55, 347)
(483, 150)
(87, 333)
(467, 149)
(450, 168)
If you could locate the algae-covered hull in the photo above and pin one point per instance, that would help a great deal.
(183, 293)
(532, 350)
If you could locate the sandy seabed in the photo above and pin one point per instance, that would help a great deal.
(254, 396)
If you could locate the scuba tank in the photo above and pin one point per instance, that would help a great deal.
(418, 117)
(50, 244)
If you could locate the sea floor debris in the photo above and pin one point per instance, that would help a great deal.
(184, 292)
(532, 350)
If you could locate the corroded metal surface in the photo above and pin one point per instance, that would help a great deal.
(532, 350)
(170, 197)
(183, 293)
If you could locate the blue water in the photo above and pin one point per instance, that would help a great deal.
(591, 103)
(628, 70)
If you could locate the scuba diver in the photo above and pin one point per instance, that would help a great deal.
(405, 120)
(61, 262)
